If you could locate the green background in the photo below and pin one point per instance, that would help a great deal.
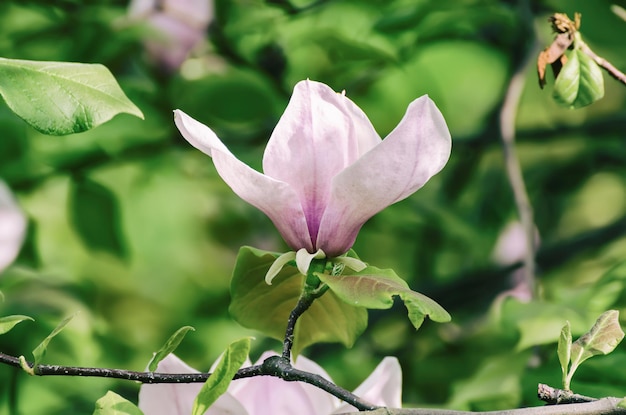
(133, 228)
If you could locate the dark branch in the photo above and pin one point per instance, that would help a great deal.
(273, 366)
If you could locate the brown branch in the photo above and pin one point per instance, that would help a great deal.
(511, 160)
(605, 406)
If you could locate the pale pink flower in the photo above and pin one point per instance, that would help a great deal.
(265, 395)
(12, 227)
(326, 170)
(179, 24)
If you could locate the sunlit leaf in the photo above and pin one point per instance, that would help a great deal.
(40, 351)
(375, 288)
(7, 323)
(564, 350)
(580, 82)
(60, 98)
(95, 214)
(622, 403)
(170, 345)
(113, 404)
(232, 359)
(603, 338)
(265, 308)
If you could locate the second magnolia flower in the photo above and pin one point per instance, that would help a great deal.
(326, 170)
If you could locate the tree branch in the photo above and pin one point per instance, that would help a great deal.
(605, 406)
(275, 366)
(511, 161)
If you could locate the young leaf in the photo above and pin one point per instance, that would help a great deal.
(60, 98)
(564, 350)
(622, 404)
(7, 323)
(96, 216)
(603, 337)
(266, 308)
(170, 345)
(113, 404)
(40, 350)
(232, 359)
(375, 288)
(580, 82)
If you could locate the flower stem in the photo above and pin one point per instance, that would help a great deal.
(309, 294)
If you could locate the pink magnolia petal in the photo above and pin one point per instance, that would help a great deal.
(178, 399)
(383, 387)
(274, 198)
(410, 155)
(12, 227)
(266, 395)
(320, 133)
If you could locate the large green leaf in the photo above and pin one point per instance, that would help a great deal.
(170, 345)
(232, 359)
(375, 288)
(266, 308)
(580, 82)
(7, 323)
(61, 97)
(114, 404)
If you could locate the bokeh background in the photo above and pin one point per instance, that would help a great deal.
(133, 229)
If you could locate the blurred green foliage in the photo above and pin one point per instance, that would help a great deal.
(133, 228)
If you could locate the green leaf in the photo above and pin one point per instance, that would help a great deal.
(603, 338)
(170, 345)
(7, 323)
(40, 350)
(60, 98)
(564, 349)
(96, 216)
(113, 404)
(266, 308)
(580, 82)
(232, 359)
(622, 403)
(375, 288)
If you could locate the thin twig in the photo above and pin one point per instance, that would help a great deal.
(511, 160)
(555, 396)
(606, 65)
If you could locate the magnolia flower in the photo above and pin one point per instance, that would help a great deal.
(181, 24)
(12, 227)
(263, 395)
(326, 170)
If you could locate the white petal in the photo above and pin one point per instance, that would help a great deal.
(12, 227)
(275, 198)
(412, 153)
(303, 259)
(278, 265)
(320, 133)
(383, 387)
